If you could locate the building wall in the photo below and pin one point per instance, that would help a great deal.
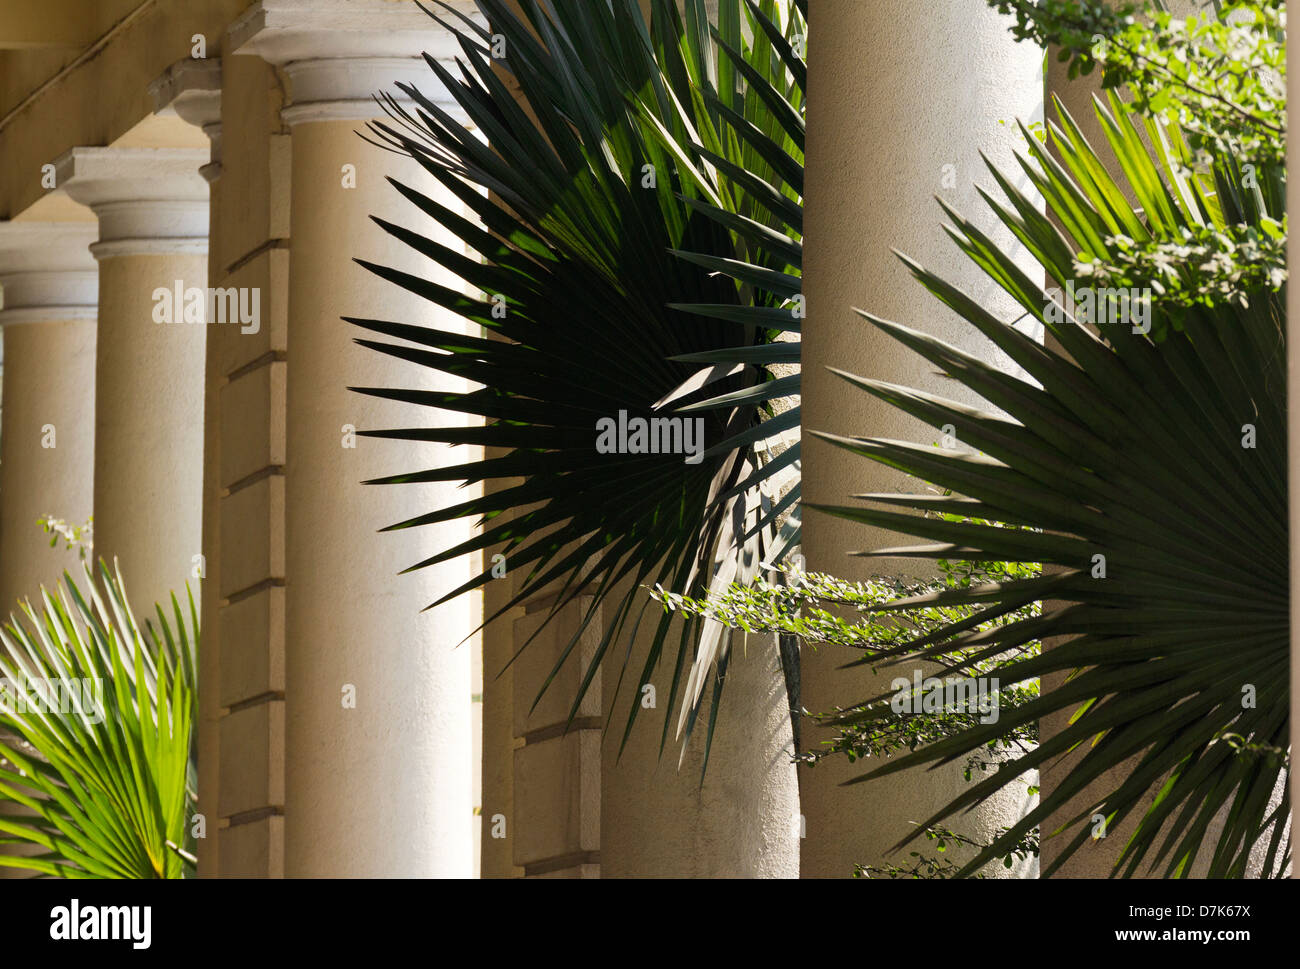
(445, 766)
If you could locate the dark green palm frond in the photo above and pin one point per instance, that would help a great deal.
(1151, 471)
(594, 187)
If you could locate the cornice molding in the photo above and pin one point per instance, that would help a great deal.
(339, 54)
(190, 89)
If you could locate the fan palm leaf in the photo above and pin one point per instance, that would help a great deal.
(1150, 470)
(102, 711)
(623, 142)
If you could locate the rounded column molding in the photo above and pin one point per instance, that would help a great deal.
(47, 272)
(149, 201)
(339, 54)
(342, 89)
(148, 398)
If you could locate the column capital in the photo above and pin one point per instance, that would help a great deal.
(148, 200)
(340, 53)
(47, 272)
(190, 89)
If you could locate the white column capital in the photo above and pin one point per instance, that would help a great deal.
(148, 200)
(47, 272)
(190, 89)
(340, 53)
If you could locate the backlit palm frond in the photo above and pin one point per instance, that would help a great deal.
(96, 735)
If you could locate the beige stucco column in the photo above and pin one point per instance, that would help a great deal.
(48, 434)
(1092, 859)
(899, 106)
(152, 206)
(663, 816)
(378, 735)
(574, 807)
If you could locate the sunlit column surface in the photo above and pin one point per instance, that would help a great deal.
(378, 735)
(152, 206)
(900, 103)
(190, 89)
(48, 432)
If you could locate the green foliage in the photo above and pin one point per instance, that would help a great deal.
(1215, 83)
(1218, 75)
(103, 712)
(940, 838)
(1123, 444)
(815, 607)
(630, 138)
(1124, 460)
(1207, 265)
(876, 619)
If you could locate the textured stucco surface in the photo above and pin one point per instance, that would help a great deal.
(148, 427)
(394, 773)
(49, 379)
(896, 94)
(659, 820)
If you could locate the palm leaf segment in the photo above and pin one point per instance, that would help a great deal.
(102, 710)
(1128, 447)
(627, 151)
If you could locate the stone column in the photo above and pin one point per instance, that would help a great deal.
(582, 811)
(1093, 859)
(152, 206)
(48, 435)
(899, 106)
(190, 90)
(48, 428)
(660, 815)
(378, 735)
